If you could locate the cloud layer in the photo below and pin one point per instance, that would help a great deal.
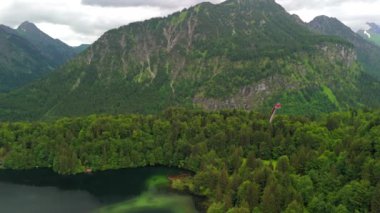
(318, 4)
(83, 21)
(354, 13)
(165, 4)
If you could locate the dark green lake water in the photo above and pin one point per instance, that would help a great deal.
(140, 190)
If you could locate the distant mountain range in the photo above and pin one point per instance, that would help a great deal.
(240, 54)
(372, 34)
(368, 53)
(27, 54)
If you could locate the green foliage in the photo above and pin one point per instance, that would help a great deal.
(355, 196)
(329, 164)
(216, 208)
(376, 39)
(375, 36)
(375, 202)
(330, 95)
(294, 207)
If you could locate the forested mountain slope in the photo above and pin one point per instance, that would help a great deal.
(20, 60)
(240, 54)
(372, 34)
(368, 53)
(54, 50)
(27, 54)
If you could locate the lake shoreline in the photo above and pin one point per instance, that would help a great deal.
(97, 184)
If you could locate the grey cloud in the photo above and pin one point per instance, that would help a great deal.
(83, 24)
(168, 4)
(92, 24)
(312, 4)
(349, 15)
(15, 16)
(74, 19)
(359, 22)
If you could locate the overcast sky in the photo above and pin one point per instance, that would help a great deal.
(83, 21)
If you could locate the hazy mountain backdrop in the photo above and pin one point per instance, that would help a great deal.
(372, 34)
(27, 53)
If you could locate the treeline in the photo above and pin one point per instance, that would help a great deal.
(241, 162)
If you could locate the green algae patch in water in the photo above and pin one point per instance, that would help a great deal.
(153, 203)
(139, 190)
(155, 199)
(156, 182)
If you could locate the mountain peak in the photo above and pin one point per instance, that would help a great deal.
(5, 28)
(329, 25)
(252, 2)
(49, 47)
(368, 53)
(374, 27)
(324, 18)
(27, 23)
(33, 54)
(27, 26)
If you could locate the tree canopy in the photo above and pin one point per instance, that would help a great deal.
(241, 163)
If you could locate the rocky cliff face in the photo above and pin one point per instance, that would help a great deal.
(255, 95)
(368, 53)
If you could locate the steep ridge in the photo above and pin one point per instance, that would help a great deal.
(244, 54)
(81, 48)
(368, 53)
(372, 34)
(20, 61)
(53, 50)
(27, 54)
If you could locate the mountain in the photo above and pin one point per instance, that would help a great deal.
(368, 53)
(240, 54)
(27, 53)
(372, 34)
(81, 48)
(20, 61)
(54, 50)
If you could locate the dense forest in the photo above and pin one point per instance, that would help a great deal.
(241, 163)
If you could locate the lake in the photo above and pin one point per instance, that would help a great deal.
(142, 190)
